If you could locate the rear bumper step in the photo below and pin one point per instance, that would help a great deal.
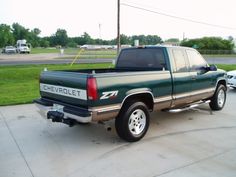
(188, 107)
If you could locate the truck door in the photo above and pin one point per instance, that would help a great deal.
(202, 85)
(181, 77)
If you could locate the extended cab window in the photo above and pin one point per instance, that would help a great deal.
(196, 61)
(142, 59)
(180, 62)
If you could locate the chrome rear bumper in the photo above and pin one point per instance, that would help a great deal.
(43, 110)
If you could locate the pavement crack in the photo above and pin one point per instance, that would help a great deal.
(195, 162)
(17, 145)
(129, 145)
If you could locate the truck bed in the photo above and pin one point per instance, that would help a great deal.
(106, 79)
(108, 70)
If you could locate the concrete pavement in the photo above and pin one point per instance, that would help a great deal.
(188, 144)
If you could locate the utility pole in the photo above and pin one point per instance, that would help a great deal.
(183, 36)
(100, 30)
(118, 26)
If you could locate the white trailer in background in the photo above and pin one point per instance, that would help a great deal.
(100, 47)
(22, 46)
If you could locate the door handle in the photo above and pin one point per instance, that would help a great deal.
(193, 77)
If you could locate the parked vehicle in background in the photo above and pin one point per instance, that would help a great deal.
(231, 75)
(22, 46)
(144, 79)
(100, 47)
(9, 50)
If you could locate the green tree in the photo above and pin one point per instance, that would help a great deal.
(60, 38)
(44, 43)
(125, 39)
(6, 36)
(72, 44)
(36, 31)
(147, 40)
(172, 40)
(209, 43)
(33, 37)
(20, 32)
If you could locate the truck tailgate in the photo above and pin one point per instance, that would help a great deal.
(64, 86)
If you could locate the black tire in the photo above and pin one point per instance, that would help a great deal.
(218, 100)
(128, 126)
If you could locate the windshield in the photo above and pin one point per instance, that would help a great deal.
(23, 45)
(9, 47)
(142, 58)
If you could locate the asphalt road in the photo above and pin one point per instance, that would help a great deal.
(221, 60)
(50, 58)
(193, 143)
(53, 61)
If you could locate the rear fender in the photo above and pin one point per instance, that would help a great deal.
(144, 94)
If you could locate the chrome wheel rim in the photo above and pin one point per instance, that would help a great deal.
(221, 98)
(137, 122)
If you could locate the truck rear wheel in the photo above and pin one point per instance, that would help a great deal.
(218, 100)
(133, 121)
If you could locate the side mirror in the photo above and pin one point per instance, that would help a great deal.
(205, 69)
(213, 68)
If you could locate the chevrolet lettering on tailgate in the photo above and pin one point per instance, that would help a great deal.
(64, 91)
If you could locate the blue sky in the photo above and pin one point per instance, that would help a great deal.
(77, 16)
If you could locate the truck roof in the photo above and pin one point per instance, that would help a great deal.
(159, 46)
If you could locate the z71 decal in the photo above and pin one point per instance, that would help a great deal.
(107, 95)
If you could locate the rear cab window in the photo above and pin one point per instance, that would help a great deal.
(142, 58)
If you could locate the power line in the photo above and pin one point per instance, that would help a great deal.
(177, 17)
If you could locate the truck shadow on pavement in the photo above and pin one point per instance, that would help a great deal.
(161, 123)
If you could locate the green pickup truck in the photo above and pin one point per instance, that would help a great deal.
(144, 79)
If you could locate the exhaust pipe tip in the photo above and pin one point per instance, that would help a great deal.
(108, 128)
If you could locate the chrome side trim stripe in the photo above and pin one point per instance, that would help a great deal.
(106, 109)
(178, 96)
(162, 99)
(116, 107)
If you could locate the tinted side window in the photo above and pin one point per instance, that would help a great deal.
(179, 59)
(196, 61)
(142, 59)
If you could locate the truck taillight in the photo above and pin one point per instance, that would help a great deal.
(92, 88)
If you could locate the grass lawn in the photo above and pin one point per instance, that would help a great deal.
(221, 56)
(89, 54)
(54, 50)
(44, 50)
(86, 54)
(226, 67)
(19, 84)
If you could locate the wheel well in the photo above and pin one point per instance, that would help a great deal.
(222, 82)
(146, 98)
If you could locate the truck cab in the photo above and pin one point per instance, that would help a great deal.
(22, 46)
